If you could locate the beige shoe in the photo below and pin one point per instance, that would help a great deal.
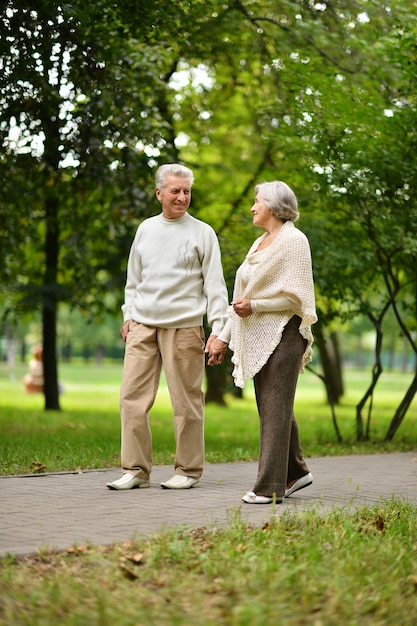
(180, 482)
(128, 481)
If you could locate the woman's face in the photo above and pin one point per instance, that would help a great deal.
(261, 214)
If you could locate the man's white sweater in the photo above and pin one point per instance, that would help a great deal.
(175, 275)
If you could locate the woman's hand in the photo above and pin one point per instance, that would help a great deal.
(243, 308)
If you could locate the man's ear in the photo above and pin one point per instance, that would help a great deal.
(158, 194)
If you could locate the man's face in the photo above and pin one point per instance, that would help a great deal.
(175, 197)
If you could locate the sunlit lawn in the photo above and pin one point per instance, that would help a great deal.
(86, 432)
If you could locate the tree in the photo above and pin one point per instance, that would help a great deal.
(367, 166)
(77, 121)
(286, 89)
(317, 89)
(261, 74)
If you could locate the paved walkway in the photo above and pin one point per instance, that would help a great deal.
(61, 510)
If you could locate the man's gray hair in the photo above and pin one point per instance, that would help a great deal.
(172, 169)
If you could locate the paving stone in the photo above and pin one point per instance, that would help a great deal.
(57, 511)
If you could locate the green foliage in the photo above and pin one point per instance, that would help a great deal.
(81, 95)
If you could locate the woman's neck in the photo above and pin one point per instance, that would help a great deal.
(273, 229)
(271, 234)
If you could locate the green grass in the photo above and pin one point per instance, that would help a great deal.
(86, 432)
(302, 568)
(299, 569)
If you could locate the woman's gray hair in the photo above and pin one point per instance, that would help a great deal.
(172, 169)
(280, 199)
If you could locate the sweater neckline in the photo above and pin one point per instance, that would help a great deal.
(178, 220)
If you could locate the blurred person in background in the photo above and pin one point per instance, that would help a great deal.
(34, 381)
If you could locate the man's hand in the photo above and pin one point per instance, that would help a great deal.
(216, 350)
(125, 330)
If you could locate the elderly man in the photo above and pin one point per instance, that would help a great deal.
(174, 278)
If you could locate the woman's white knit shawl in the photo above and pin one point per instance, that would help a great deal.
(284, 268)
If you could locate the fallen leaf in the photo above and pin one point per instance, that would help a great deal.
(77, 549)
(135, 558)
(128, 572)
(38, 466)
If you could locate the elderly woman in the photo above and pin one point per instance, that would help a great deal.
(269, 332)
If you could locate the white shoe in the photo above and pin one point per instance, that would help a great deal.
(250, 497)
(128, 481)
(180, 482)
(302, 482)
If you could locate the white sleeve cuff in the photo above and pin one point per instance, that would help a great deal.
(226, 332)
(268, 305)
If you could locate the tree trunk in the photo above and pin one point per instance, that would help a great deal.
(402, 409)
(50, 366)
(218, 379)
(332, 409)
(50, 305)
(376, 373)
(337, 363)
(331, 364)
(368, 395)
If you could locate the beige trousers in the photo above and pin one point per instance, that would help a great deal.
(181, 353)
